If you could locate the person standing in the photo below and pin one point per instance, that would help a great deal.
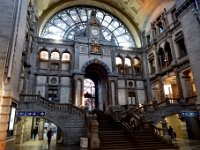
(35, 132)
(49, 135)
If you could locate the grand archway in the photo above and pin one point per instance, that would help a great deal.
(98, 74)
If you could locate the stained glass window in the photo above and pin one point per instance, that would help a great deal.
(66, 23)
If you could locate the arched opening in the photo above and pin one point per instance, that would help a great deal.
(95, 86)
(31, 127)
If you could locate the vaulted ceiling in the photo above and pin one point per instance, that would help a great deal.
(134, 13)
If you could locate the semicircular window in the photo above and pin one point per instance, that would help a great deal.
(66, 23)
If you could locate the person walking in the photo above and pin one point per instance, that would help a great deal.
(170, 132)
(49, 135)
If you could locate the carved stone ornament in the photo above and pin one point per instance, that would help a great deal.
(95, 47)
(93, 22)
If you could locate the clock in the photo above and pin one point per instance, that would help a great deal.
(95, 32)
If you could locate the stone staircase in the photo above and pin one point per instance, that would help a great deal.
(113, 137)
(69, 118)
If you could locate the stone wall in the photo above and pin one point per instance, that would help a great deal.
(191, 31)
(12, 36)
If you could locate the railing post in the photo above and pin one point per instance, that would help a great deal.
(94, 142)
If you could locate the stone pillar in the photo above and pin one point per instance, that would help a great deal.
(78, 89)
(178, 80)
(112, 90)
(148, 88)
(174, 61)
(41, 129)
(162, 96)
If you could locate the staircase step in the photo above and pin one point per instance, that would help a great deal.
(112, 138)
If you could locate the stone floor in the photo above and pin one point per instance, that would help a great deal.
(184, 144)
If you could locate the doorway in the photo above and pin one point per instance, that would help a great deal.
(95, 90)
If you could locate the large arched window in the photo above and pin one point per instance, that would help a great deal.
(65, 24)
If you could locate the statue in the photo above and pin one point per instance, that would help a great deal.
(93, 14)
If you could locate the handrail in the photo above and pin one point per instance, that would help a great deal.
(114, 116)
(127, 128)
(154, 106)
(29, 98)
(157, 130)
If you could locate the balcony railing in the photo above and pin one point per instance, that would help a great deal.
(39, 100)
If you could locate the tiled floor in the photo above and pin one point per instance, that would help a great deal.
(184, 144)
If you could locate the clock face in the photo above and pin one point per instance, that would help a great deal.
(95, 32)
(53, 80)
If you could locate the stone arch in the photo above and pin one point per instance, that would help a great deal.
(41, 50)
(96, 61)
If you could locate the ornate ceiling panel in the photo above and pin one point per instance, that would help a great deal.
(133, 8)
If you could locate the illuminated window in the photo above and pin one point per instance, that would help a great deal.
(118, 61)
(136, 62)
(119, 65)
(65, 57)
(127, 62)
(44, 55)
(128, 67)
(137, 65)
(55, 56)
(65, 24)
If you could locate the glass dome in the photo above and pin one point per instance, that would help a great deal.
(66, 23)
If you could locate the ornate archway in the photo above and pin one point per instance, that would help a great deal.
(98, 72)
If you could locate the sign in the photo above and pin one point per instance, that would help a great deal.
(30, 113)
(190, 114)
(12, 118)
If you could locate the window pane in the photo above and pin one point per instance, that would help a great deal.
(44, 55)
(72, 20)
(66, 57)
(55, 56)
(127, 62)
(118, 61)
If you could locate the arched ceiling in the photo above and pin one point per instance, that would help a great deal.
(133, 13)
